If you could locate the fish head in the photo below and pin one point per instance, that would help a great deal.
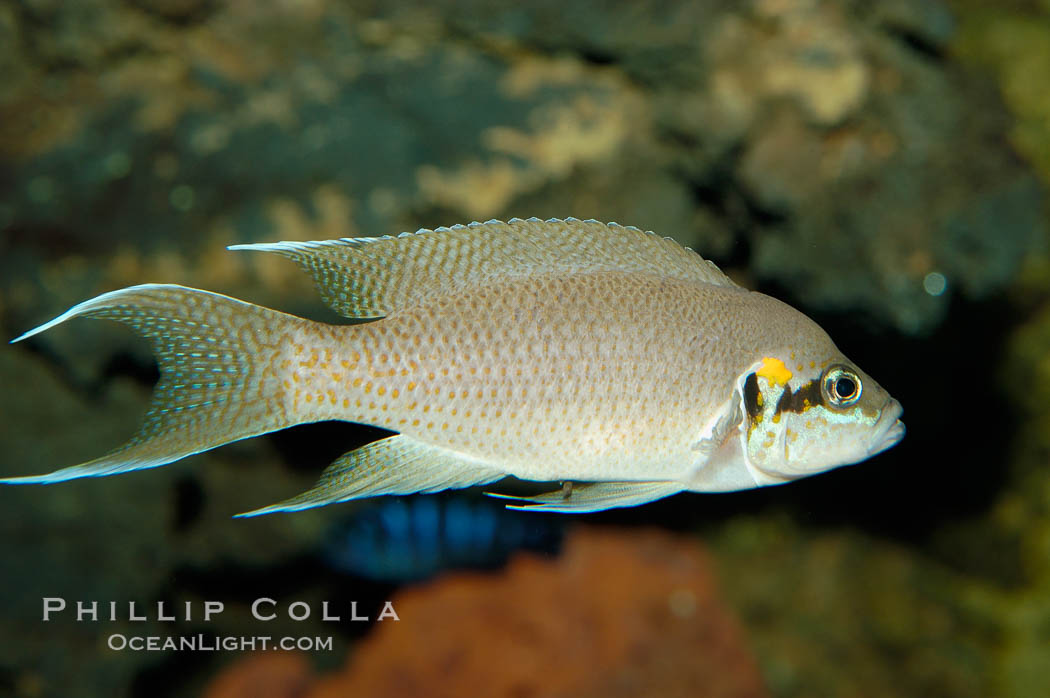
(824, 414)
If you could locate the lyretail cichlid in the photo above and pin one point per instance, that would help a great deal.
(602, 356)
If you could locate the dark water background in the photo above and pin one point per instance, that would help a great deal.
(882, 166)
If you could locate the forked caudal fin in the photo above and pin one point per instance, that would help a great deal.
(216, 381)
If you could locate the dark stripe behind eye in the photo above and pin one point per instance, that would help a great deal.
(796, 401)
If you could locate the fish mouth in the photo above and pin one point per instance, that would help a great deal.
(889, 430)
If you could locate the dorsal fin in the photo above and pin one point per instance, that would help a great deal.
(369, 277)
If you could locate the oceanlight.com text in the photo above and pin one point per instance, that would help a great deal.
(210, 643)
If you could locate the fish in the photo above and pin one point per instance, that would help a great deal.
(603, 357)
(408, 539)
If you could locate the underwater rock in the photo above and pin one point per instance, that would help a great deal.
(897, 624)
(619, 613)
(272, 675)
(126, 541)
(840, 141)
(1013, 39)
(56, 541)
(875, 160)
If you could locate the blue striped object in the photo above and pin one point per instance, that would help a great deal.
(403, 539)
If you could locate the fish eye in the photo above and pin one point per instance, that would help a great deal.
(842, 386)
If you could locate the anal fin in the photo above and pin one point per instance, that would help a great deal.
(394, 465)
(583, 498)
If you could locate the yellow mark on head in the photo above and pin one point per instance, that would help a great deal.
(774, 371)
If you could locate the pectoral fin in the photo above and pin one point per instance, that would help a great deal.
(583, 498)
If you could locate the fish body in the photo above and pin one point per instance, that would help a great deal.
(548, 350)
